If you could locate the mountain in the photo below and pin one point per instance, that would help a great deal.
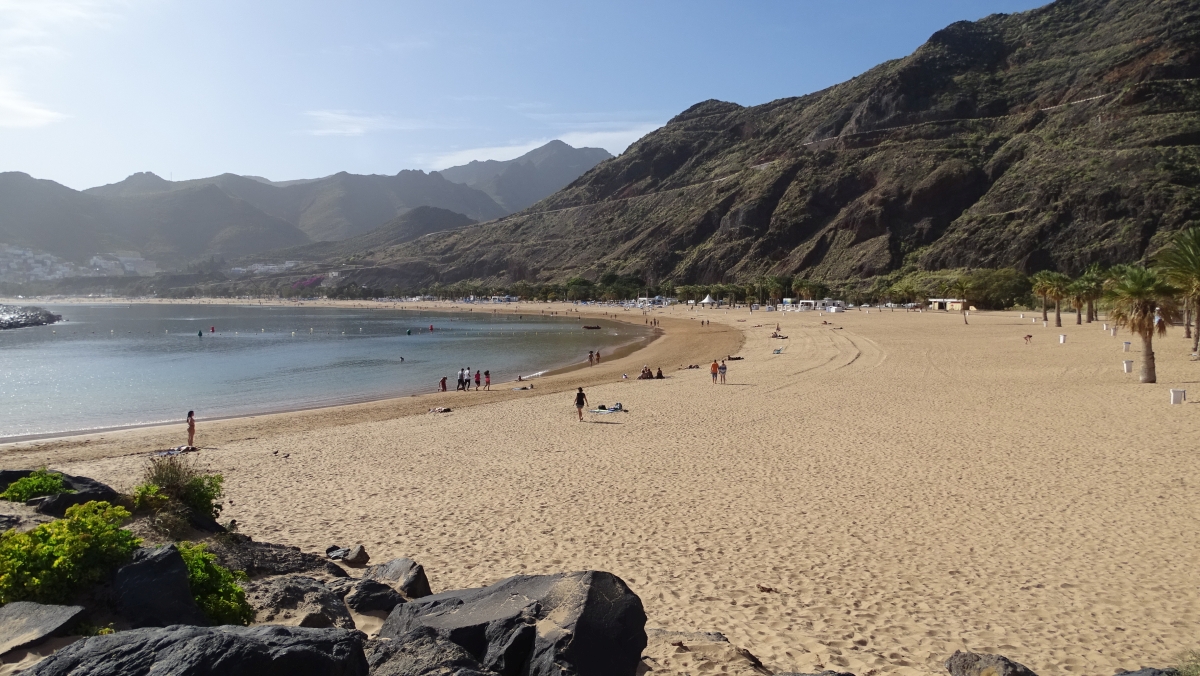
(518, 183)
(331, 208)
(168, 227)
(404, 228)
(1052, 138)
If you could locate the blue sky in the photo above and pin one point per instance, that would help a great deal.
(94, 90)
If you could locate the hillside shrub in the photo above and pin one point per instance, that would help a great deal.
(1189, 663)
(35, 485)
(55, 560)
(215, 587)
(177, 479)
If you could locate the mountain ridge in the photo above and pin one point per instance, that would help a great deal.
(520, 182)
(967, 153)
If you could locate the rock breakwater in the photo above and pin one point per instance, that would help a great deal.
(18, 316)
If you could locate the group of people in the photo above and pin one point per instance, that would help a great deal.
(718, 371)
(647, 374)
(464, 380)
(593, 357)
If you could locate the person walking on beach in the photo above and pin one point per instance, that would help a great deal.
(477, 374)
(191, 423)
(591, 357)
(442, 385)
(487, 381)
(714, 368)
(721, 370)
(597, 357)
(580, 402)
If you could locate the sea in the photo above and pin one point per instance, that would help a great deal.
(109, 366)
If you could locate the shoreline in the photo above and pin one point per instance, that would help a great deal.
(622, 350)
(551, 381)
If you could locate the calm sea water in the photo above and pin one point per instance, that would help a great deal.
(110, 366)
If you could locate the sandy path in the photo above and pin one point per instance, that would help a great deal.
(908, 486)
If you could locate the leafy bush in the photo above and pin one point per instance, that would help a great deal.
(215, 587)
(1189, 663)
(35, 485)
(179, 479)
(148, 496)
(202, 492)
(51, 562)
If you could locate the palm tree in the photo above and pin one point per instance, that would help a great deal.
(1076, 290)
(1056, 284)
(961, 287)
(1092, 282)
(1143, 302)
(1041, 286)
(1180, 264)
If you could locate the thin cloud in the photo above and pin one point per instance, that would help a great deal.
(37, 30)
(18, 112)
(350, 123)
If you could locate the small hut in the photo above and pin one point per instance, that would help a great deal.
(708, 301)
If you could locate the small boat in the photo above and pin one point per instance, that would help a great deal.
(591, 327)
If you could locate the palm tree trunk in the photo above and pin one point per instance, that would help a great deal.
(1196, 333)
(1057, 312)
(1078, 314)
(1148, 373)
(964, 315)
(1091, 311)
(1044, 317)
(1187, 318)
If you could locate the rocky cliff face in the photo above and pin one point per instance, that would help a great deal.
(1049, 139)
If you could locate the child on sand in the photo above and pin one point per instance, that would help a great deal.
(476, 380)
(442, 385)
(487, 380)
(191, 423)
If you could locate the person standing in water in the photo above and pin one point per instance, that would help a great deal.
(191, 423)
(580, 402)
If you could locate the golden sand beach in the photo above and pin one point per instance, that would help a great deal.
(889, 488)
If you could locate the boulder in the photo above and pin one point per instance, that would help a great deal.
(212, 651)
(421, 652)
(357, 556)
(153, 590)
(975, 664)
(23, 623)
(404, 575)
(587, 623)
(240, 552)
(86, 490)
(368, 595)
(298, 601)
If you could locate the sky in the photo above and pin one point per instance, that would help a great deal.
(94, 90)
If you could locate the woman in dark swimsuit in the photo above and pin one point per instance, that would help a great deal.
(580, 402)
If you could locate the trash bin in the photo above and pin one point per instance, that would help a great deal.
(1178, 396)
(1128, 365)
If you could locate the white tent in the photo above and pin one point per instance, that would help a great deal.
(708, 300)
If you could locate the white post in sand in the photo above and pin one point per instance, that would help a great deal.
(1128, 365)
(1022, 315)
(1062, 338)
(1112, 332)
(1125, 345)
(1033, 321)
(1178, 396)
(1106, 327)
(1045, 324)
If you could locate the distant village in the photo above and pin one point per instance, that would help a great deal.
(20, 265)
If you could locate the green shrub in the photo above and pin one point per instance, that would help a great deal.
(148, 497)
(35, 485)
(215, 587)
(202, 492)
(1189, 663)
(181, 480)
(51, 562)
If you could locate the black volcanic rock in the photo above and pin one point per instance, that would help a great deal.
(153, 589)
(212, 651)
(587, 623)
(16, 317)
